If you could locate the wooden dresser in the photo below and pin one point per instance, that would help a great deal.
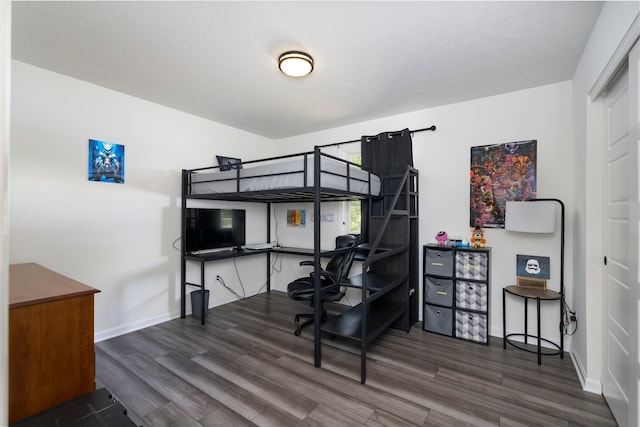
(51, 355)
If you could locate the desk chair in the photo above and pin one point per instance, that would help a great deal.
(336, 271)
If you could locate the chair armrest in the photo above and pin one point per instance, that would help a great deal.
(328, 275)
(324, 275)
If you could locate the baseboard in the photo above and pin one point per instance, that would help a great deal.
(145, 323)
(588, 384)
(132, 327)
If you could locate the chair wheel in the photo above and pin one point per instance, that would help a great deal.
(297, 332)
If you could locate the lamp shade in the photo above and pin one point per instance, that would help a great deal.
(533, 216)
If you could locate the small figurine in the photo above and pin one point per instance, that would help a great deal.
(477, 237)
(442, 238)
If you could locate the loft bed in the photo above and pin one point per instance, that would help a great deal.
(284, 178)
(318, 177)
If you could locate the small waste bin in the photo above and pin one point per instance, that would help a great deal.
(196, 303)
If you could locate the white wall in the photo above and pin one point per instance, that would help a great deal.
(114, 237)
(443, 156)
(614, 22)
(5, 66)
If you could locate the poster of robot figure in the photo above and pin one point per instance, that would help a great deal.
(106, 161)
(499, 173)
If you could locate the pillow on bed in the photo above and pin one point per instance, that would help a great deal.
(228, 163)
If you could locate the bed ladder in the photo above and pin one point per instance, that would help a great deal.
(385, 294)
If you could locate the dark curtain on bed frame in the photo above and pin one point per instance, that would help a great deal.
(385, 154)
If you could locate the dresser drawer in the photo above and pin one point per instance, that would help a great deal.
(472, 295)
(438, 319)
(438, 291)
(471, 326)
(472, 265)
(439, 262)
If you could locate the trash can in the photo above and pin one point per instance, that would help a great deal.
(196, 300)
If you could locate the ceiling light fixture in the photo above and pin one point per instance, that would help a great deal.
(295, 64)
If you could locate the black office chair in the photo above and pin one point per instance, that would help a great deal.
(336, 271)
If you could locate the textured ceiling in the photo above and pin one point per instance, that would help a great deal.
(218, 60)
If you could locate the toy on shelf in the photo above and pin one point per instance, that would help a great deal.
(477, 237)
(442, 238)
(462, 243)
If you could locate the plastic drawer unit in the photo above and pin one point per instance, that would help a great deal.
(456, 292)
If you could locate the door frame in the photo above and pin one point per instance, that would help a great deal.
(634, 211)
(627, 55)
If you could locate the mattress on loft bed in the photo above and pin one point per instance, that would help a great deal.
(286, 174)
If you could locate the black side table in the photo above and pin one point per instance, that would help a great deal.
(538, 295)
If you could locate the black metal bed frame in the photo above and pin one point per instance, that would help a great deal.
(308, 193)
(374, 286)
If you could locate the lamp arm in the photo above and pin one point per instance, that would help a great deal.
(561, 240)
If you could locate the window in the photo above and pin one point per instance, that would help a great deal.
(355, 209)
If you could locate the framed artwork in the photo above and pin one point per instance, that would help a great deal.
(538, 267)
(499, 173)
(106, 161)
(296, 218)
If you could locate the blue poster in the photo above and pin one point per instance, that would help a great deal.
(106, 161)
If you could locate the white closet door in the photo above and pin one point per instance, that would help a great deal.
(620, 374)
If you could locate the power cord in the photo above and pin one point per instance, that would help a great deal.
(239, 279)
(275, 220)
(276, 264)
(221, 281)
(569, 318)
(174, 244)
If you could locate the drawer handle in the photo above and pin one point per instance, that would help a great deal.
(437, 264)
(442, 293)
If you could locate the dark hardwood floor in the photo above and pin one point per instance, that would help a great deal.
(245, 367)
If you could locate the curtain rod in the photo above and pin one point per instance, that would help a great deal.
(433, 128)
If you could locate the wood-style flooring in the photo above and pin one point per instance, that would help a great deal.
(245, 367)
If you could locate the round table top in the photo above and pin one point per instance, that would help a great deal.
(533, 293)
